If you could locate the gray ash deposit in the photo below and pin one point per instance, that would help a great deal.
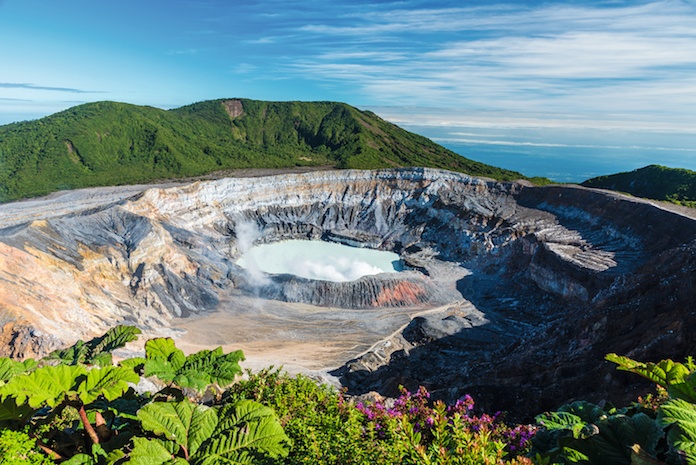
(511, 292)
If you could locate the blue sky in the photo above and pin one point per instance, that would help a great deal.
(528, 78)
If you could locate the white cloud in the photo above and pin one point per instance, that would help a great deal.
(612, 65)
(513, 143)
(187, 51)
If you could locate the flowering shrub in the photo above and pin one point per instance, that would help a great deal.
(434, 433)
(328, 428)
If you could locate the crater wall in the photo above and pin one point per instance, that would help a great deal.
(506, 266)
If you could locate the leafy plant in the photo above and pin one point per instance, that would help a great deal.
(234, 434)
(583, 432)
(96, 351)
(11, 368)
(81, 414)
(679, 416)
(656, 430)
(17, 448)
(327, 429)
(60, 386)
(197, 371)
(679, 379)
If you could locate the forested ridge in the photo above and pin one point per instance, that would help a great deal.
(110, 143)
(657, 182)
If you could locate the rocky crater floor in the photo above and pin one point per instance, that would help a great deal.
(512, 293)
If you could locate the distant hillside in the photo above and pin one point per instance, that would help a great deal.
(109, 143)
(652, 182)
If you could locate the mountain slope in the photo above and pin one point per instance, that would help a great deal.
(108, 143)
(654, 182)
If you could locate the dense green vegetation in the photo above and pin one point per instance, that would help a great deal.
(76, 407)
(653, 182)
(659, 429)
(109, 143)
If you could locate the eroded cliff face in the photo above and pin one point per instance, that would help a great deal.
(505, 273)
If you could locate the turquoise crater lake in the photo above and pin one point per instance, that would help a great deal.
(326, 261)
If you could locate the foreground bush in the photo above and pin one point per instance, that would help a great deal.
(657, 430)
(76, 407)
(328, 429)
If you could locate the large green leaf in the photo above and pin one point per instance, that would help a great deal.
(164, 360)
(10, 368)
(562, 421)
(9, 410)
(81, 459)
(677, 378)
(45, 386)
(134, 363)
(682, 435)
(96, 351)
(244, 428)
(196, 371)
(98, 457)
(574, 456)
(185, 423)
(73, 355)
(217, 367)
(114, 338)
(149, 452)
(644, 431)
(234, 435)
(586, 411)
(110, 382)
(164, 348)
(582, 432)
(617, 434)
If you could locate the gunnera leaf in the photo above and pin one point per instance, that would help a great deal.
(185, 423)
(197, 371)
(149, 452)
(246, 428)
(163, 359)
(10, 368)
(96, 351)
(110, 382)
(561, 421)
(45, 386)
(682, 435)
(677, 378)
(9, 410)
(113, 339)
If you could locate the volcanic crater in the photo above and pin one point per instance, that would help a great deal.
(510, 292)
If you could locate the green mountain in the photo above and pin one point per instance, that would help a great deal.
(653, 182)
(109, 143)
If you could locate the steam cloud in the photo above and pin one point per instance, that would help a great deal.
(337, 269)
(311, 259)
(247, 233)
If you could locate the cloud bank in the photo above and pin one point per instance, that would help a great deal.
(611, 60)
